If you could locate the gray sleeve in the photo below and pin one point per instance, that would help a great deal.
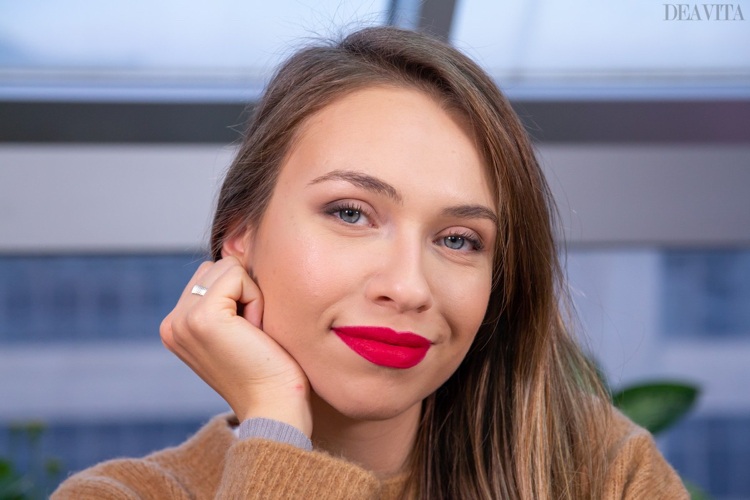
(273, 430)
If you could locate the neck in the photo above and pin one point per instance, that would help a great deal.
(381, 446)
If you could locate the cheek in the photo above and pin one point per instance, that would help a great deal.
(316, 267)
(301, 275)
(467, 304)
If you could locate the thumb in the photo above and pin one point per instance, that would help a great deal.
(253, 312)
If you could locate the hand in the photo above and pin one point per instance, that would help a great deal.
(231, 352)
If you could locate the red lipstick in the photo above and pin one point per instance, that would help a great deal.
(383, 346)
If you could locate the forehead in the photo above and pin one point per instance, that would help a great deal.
(399, 134)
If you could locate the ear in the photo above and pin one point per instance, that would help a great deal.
(239, 246)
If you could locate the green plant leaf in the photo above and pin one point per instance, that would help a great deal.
(12, 485)
(696, 493)
(656, 405)
(53, 466)
(6, 468)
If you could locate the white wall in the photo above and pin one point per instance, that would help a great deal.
(132, 198)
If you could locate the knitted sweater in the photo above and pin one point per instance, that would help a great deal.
(214, 463)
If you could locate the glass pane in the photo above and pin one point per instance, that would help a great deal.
(178, 43)
(74, 446)
(706, 294)
(86, 298)
(637, 46)
(714, 453)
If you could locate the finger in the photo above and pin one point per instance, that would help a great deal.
(197, 278)
(253, 311)
(207, 273)
(165, 331)
(186, 302)
(236, 284)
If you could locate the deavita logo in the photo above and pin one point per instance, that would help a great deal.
(703, 12)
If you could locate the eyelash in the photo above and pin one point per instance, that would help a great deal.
(470, 238)
(335, 210)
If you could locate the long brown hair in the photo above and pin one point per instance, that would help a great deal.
(523, 415)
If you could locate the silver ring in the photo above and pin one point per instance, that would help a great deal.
(199, 290)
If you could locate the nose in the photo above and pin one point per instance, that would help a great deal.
(400, 280)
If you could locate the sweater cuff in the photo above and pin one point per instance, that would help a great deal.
(273, 430)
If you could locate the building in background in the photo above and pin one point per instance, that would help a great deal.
(116, 122)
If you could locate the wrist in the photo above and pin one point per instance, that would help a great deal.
(294, 411)
(274, 430)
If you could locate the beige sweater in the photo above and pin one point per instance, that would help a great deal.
(215, 464)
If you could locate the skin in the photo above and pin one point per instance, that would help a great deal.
(372, 222)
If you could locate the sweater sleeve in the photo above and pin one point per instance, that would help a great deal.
(254, 469)
(273, 430)
(121, 480)
(258, 468)
(215, 464)
(636, 467)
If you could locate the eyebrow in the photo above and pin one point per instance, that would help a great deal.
(379, 186)
(471, 212)
(361, 180)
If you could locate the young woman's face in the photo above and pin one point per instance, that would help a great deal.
(382, 222)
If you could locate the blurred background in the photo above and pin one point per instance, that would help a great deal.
(117, 120)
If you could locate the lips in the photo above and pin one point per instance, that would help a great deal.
(383, 346)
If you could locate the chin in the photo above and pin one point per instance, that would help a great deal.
(373, 412)
(366, 405)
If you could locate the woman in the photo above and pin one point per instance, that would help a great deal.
(383, 310)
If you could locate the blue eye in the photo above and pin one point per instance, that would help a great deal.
(463, 242)
(349, 215)
(454, 242)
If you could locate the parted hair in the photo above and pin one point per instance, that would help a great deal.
(524, 414)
